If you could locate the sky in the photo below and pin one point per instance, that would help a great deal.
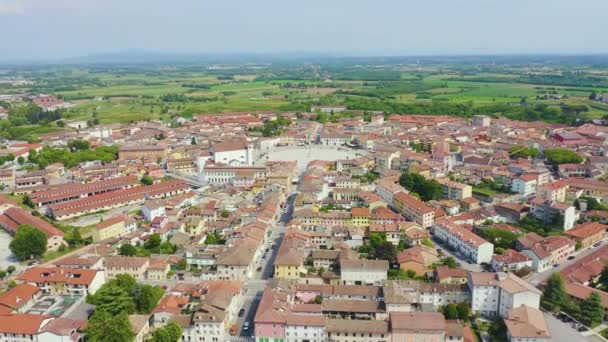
(57, 29)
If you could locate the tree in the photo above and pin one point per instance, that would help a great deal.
(172, 332)
(450, 262)
(557, 156)
(20, 160)
(592, 310)
(450, 311)
(193, 141)
(500, 238)
(593, 95)
(112, 299)
(125, 282)
(428, 243)
(79, 145)
(74, 239)
(153, 242)
(146, 298)
(29, 242)
(27, 200)
(523, 152)
(555, 293)
(104, 326)
(11, 269)
(386, 251)
(464, 311)
(167, 248)
(146, 180)
(428, 189)
(214, 239)
(127, 250)
(182, 264)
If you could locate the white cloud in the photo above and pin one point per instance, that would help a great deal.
(20, 7)
(11, 8)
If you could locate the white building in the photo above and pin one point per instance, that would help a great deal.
(304, 328)
(524, 185)
(235, 175)
(363, 272)
(152, 209)
(386, 189)
(469, 245)
(233, 153)
(495, 294)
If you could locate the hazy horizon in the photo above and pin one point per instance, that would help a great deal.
(44, 30)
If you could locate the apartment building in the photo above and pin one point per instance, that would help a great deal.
(587, 234)
(545, 252)
(133, 266)
(455, 190)
(66, 281)
(414, 209)
(524, 185)
(495, 294)
(554, 191)
(467, 243)
(387, 188)
(553, 213)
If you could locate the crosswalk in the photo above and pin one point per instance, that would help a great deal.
(241, 339)
(253, 297)
(256, 284)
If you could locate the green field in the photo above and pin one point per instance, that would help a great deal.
(127, 94)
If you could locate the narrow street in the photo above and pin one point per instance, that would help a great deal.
(255, 287)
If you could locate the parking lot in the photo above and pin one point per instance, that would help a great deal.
(564, 332)
(6, 257)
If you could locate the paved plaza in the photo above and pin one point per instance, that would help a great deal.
(305, 154)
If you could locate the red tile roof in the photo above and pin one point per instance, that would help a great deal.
(64, 275)
(27, 324)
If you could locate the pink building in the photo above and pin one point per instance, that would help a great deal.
(271, 316)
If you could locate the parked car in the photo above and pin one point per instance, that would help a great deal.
(246, 326)
(555, 265)
(597, 244)
(582, 329)
(571, 257)
(241, 312)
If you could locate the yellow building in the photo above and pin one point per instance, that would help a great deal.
(289, 264)
(113, 227)
(158, 269)
(194, 225)
(360, 217)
